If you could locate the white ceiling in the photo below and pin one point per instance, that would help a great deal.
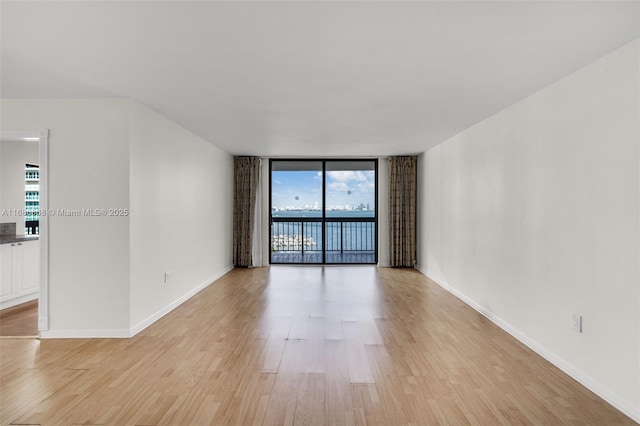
(308, 78)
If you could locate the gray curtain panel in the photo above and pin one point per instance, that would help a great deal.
(246, 170)
(402, 211)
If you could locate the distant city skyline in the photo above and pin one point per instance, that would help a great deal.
(302, 190)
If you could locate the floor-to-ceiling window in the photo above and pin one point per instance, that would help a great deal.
(323, 211)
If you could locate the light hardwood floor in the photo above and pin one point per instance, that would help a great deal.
(21, 320)
(299, 345)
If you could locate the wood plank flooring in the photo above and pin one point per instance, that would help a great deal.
(20, 320)
(302, 346)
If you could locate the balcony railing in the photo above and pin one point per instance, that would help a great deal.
(304, 237)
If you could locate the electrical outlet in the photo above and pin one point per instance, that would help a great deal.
(576, 323)
(166, 277)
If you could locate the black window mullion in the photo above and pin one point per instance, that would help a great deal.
(324, 211)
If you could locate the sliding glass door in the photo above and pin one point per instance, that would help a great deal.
(350, 213)
(323, 211)
(296, 211)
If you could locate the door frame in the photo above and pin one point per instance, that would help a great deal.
(42, 137)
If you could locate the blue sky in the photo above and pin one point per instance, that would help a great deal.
(303, 189)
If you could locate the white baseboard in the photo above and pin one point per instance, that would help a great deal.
(118, 333)
(580, 376)
(19, 300)
(171, 306)
(126, 332)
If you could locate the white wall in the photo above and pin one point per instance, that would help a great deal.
(89, 169)
(533, 214)
(106, 273)
(14, 156)
(181, 213)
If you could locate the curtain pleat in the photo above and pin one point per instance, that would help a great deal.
(246, 172)
(402, 211)
(256, 250)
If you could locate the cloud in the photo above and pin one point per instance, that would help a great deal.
(337, 186)
(277, 182)
(351, 180)
(347, 176)
(366, 186)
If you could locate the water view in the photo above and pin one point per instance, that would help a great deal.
(314, 213)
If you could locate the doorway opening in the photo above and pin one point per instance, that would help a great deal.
(24, 251)
(323, 211)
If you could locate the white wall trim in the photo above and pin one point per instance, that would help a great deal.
(171, 306)
(580, 376)
(43, 303)
(123, 333)
(118, 333)
(19, 300)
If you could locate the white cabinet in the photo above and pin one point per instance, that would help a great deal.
(29, 267)
(19, 272)
(6, 271)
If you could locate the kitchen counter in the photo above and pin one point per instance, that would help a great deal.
(6, 239)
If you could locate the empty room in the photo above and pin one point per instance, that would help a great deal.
(319, 212)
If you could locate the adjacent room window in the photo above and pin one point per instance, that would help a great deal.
(324, 211)
(32, 199)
